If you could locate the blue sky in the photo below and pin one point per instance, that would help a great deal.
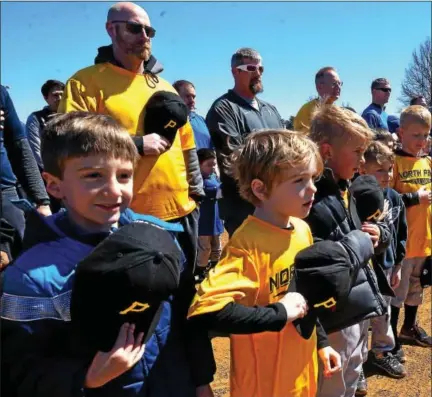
(195, 41)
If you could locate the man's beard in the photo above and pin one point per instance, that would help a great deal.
(141, 52)
(256, 87)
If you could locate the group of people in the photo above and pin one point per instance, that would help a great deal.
(114, 200)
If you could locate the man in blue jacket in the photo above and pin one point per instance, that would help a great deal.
(375, 114)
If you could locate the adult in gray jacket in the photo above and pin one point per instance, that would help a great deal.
(231, 118)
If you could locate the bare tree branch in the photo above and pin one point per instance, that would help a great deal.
(418, 75)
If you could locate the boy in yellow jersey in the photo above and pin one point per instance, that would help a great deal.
(343, 137)
(412, 179)
(246, 295)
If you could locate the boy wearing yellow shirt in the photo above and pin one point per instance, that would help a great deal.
(412, 179)
(246, 294)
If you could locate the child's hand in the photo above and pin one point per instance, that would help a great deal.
(127, 351)
(4, 260)
(396, 276)
(425, 196)
(295, 306)
(373, 231)
(331, 361)
(204, 391)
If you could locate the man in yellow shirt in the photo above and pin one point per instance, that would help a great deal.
(328, 86)
(167, 178)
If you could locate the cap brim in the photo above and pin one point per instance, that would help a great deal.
(149, 331)
(304, 326)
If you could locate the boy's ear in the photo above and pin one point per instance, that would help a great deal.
(53, 185)
(326, 151)
(259, 189)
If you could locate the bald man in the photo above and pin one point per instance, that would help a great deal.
(167, 179)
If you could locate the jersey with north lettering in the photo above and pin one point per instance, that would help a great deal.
(409, 175)
(255, 270)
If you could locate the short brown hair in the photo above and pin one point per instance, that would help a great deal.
(266, 154)
(415, 114)
(378, 152)
(81, 134)
(322, 72)
(379, 82)
(333, 124)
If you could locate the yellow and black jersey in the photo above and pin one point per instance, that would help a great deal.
(409, 175)
(160, 183)
(255, 270)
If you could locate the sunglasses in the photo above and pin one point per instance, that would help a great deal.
(137, 28)
(251, 68)
(383, 89)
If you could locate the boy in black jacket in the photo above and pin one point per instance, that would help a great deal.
(343, 137)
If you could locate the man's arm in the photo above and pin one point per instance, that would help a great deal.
(33, 130)
(372, 119)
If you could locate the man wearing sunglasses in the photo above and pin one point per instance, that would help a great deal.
(328, 85)
(375, 114)
(167, 178)
(233, 116)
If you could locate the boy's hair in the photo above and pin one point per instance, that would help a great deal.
(378, 152)
(81, 134)
(415, 114)
(333, 124)
(382, 135)
(266, 154)
(49, 85)
(205, 154)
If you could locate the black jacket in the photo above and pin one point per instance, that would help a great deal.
(329, 219)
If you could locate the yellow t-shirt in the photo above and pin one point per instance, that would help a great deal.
(302, 120)
(409, 175)
(256, 269)
(160, 182)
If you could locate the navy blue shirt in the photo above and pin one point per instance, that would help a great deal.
(201, 132)
(210, 223)
(376, 117)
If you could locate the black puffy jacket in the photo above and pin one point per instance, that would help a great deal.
(329, 219)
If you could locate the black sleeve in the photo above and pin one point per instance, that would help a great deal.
(322, 339)
(139, 143)
(402, 235)
(385, 237)
(26, 169)
(235, 318)
(410, 199)
(34, 367)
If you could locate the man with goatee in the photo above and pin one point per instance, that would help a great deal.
(231, 118)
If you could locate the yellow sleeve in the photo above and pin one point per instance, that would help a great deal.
(302, 120)
(187, 137)
(234, 279)
(75, 98)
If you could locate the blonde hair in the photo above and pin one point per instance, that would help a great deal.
(81, 134)
(378, 152)
(333, 124)
(266, 154)
(415, 114)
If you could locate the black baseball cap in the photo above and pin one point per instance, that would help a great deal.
(323, 274)
(369, 197)
(164, 113)
(126, 278)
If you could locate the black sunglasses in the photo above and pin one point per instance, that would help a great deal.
(137, 28)
(383, 89)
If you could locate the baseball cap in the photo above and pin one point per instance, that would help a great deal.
(164, 113)
(369, 197)
(126, 278)
(324, 275)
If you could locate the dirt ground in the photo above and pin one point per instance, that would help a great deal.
(418, 382)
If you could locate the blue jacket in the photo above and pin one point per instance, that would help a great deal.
(210, 223)
(396, 219)
(45, 359)
(375, 117)
(201, 132)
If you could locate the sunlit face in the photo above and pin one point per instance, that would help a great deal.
(187, 93)
(208, 167)
(53, 98)
(330, 86)
(414, 138)
(94, 189)
(381, 94)
(382, 172)
(250, 80)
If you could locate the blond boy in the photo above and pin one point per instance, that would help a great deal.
(342, 137)
(246, 295)
(412, 179)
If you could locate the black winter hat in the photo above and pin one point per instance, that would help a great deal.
(164, 113)
(126, 278)
(369, 197)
